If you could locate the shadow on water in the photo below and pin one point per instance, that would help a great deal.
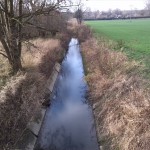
(69, 123)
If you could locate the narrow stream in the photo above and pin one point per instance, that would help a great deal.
(69, 123)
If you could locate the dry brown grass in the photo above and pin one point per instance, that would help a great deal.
(32, 53)
(120, 98)
(82, 32)
(22, 97)
(72, 22)
(4, 69)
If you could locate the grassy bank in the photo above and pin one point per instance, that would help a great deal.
(120, 98)
(132, 37)
(22, 95)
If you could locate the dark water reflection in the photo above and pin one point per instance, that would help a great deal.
(69, 123)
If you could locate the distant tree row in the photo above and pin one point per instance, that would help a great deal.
(117, 13)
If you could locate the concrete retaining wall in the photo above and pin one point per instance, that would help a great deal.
(30, 134)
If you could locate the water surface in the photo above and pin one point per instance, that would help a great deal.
(69, 123)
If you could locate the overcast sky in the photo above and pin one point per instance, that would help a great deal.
(113, 4)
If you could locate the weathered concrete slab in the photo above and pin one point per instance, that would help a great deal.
(53, 80)
(35, 125)
(57, 67)
(27, 141)
(29, 137)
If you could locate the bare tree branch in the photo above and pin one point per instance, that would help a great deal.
(15, 15)
(38, 27)
(2, 6)
(3, 55)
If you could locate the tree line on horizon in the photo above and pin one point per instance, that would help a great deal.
(115, 14)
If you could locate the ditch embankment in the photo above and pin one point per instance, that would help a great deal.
(23, 95)
(120, 97)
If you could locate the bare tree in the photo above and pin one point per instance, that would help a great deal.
(118, 13)
(96, 14)
(148, 6)
(79, 12)
(14, 14)
(79, 15)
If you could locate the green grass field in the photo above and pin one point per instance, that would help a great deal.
(133, 35)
